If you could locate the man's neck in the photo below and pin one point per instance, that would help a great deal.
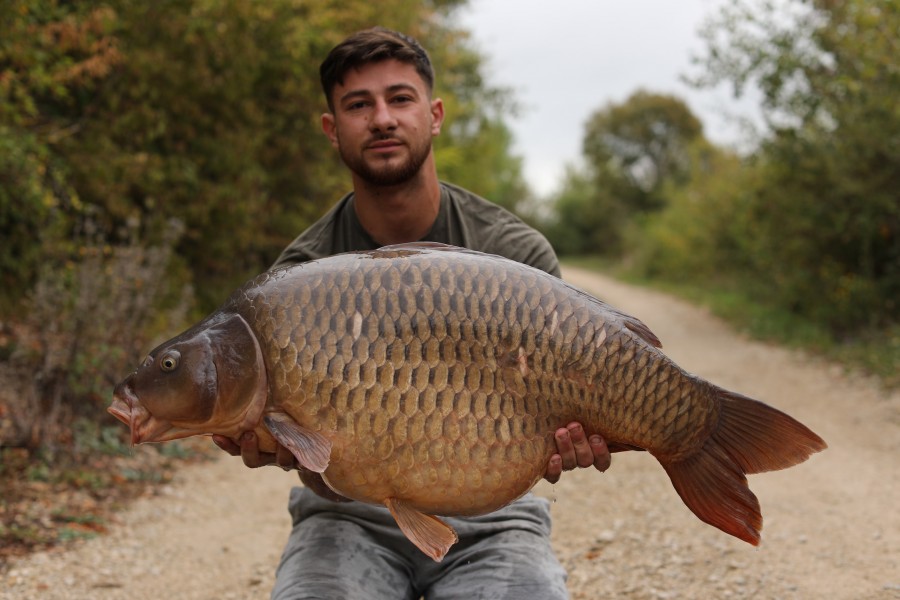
(401, 213)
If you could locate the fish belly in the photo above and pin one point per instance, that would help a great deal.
(440, 474)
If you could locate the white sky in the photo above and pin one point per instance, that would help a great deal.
(564, 59)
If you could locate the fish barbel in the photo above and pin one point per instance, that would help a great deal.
(431, 379)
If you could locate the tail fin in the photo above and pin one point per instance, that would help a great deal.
(751, 437)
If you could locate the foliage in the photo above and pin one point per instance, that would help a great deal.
(45, 52)
(821, 220)
(208, 112)
(589, 219)
(89, 322)
(635, 153)
(474, 149)
(696, 235)
(149, 148)
(802, 235)
(497, 175)
(23, 209)
(642, 141)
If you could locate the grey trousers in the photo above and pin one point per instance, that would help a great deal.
(355, 551)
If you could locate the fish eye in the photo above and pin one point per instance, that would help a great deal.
(169, 361)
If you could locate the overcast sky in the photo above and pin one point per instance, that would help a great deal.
(567, 58)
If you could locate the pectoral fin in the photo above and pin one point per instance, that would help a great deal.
(312, 449)
(431, 535)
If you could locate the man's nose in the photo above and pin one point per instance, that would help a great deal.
(382, 117)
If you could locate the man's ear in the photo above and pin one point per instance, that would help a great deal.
(329, 128)
(437, 116)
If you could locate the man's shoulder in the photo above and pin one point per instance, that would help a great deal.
(317, 240)
(474, 205)
(493, 229)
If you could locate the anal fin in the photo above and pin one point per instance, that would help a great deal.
(622, 447)
(311, 449)
(316, 483)
(430, 535)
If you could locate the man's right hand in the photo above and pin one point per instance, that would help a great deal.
(247, 447)
(248, 450)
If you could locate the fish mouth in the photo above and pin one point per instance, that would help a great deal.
(144, 427)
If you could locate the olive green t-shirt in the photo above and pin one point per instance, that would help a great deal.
(464, 220)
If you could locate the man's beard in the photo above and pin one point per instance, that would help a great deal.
(385, 173)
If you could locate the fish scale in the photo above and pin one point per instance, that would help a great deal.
(432, 379)
(499, 301)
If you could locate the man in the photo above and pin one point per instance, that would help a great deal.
(382, 118)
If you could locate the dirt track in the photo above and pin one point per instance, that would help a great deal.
(832, 525)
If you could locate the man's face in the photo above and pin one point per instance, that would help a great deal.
(383, 122)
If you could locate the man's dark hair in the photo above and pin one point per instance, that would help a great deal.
(370, 46)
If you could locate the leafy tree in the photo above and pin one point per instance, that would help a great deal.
(826, 210)
(699, 235)
(208, 113)
(52, 57)
(148, 148)
(643, 142)
(636, 154)
(588, 219)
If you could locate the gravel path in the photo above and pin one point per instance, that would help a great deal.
(832, 525)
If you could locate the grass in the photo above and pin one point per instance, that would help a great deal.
(875, 353)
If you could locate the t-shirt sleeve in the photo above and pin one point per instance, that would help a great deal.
(527, 246)
(319, 240)
(295, 253)
(484, 226)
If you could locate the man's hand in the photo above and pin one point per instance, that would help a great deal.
(575, 450)
(248, 449)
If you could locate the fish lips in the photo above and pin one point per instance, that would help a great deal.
(127, 407)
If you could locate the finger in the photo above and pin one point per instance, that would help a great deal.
(554, 469)
(565, 448)
(250, 450)
(284, 458)
(584, 456)
(602, 457)
(227, 445)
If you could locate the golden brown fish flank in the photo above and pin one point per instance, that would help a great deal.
(425, 384)
(431, 380)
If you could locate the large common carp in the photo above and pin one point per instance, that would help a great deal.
(431, 379)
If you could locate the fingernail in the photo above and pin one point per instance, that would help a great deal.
(596, 439)
(247, 436)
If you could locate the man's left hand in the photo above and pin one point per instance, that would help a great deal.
(576, 450)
